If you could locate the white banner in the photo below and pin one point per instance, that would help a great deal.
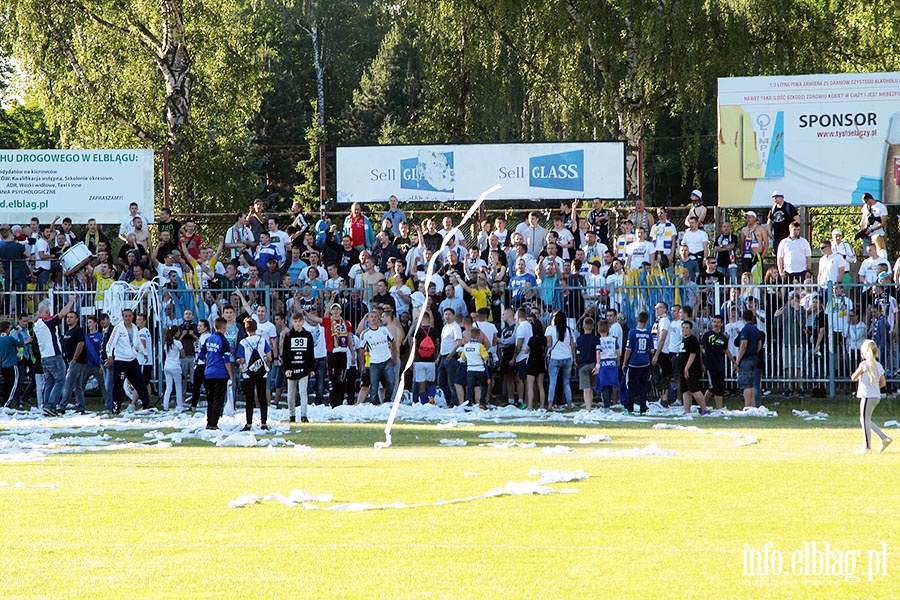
(820, 139)
(462, 172)
(80, 184)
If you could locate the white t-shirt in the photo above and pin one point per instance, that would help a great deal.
(524, 331)
(794, 252)
(868, 269)
(147, 340)
(41, 245)
(490, 332)
(449, 334)
(673, 341)
(560, 349)
(866, 388)
(280, 239)
(640, 253)
(829, 268)
(173, 356)
(694, 241)
(663, 324)
(320, 350)
(378, 343)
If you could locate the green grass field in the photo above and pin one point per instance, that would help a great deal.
(155, 522)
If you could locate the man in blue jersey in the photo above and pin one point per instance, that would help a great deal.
(637, 360)
(216, 352)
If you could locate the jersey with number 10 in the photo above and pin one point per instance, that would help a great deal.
(640, 342)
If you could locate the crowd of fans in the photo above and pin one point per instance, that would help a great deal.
(327, 311)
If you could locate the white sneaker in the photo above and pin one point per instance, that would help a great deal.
(885, 443)
(863, 451)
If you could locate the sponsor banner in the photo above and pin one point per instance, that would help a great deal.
(821, 139)
(80, 184)
(463, 172)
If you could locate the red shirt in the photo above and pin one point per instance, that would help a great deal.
(337, 333)
(193, 244)
(358, 230)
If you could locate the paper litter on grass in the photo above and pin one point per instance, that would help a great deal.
(740, 439)
(540, 487)
(891, 423)
(455, 442)
(594, 438)
(804, 414)
(649, 450)
(510, 444)
(557, 450)
(498, 435)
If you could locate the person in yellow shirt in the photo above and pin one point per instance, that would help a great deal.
(481, 293)
(474, 354)
(104, 277)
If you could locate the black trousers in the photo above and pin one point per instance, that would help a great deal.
(130, 370)
(340, 382)
(215, 400)
(10, 386)
(255, 393)
(199, 378)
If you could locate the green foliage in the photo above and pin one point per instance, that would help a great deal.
(23, 126)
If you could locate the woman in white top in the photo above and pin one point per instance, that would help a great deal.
(561, 344)
(174, 350)
(870, 375)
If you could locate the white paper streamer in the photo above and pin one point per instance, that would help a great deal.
(512, 488)
(398, 396)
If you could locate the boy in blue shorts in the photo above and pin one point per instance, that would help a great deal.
(607, 367)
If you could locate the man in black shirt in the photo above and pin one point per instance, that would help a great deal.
(781, 215)
(725, 246)
(167, 223)
(76, 357)
(715, 350)
(382, 297)
(690, 360)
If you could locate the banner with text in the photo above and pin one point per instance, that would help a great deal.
(80, 184)
(820, 139)
(462, 172)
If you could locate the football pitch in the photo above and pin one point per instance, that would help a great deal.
(532, 506)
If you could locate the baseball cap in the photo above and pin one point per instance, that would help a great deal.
(749, 213)
(333, 304)
(777, 193)
(837, 232)
(698, 194)
(596, 262)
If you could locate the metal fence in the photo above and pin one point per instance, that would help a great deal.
(812, 332)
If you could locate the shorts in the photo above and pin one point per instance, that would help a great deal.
(536, 366)
(586, 377)
(690, 384)
(506, 355)
(461, 369)
(275, 378)
(717, 382)
(664, 362)
(424, 371)
(365, 380)
(747, 373)
(522, 369)
(608, 376)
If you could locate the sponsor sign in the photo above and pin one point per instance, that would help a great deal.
(463, 172)
(80, 184)
(821, 139)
